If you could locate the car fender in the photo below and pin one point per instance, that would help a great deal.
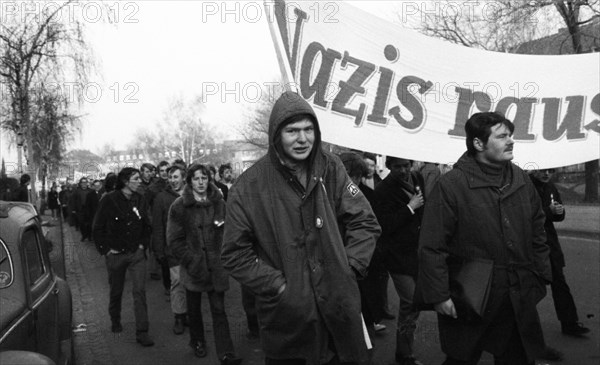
(24, 358)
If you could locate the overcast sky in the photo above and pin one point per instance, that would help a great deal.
(158, 49)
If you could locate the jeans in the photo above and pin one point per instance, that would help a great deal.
(407, 316)
(178, 296)
(223, 341)
(117, 265)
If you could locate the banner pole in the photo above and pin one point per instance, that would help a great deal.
(284, 66)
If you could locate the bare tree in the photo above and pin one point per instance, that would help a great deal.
(39, 47)
(50, 130)
(183, 129)
(254, 129)
(507, 25)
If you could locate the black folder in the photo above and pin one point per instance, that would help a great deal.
(470, 281)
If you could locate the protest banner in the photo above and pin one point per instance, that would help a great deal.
(378, 87)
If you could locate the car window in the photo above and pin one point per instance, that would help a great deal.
(6, 267)
(33, 255)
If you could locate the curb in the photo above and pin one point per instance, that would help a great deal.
(579, 234)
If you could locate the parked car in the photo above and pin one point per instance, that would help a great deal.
(35, 304)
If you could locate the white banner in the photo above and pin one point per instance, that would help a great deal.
(380, 88)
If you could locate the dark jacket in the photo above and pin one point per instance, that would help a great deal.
(79, 196)
(224, 189)
(279, 232)
(121, 224)
(196, 240)
(53, 199)
(468, 215)
(547, 192)
(160, 214)
(90, 206)
(399, 239)
(63, 196)
(21, 194)
(156, 186)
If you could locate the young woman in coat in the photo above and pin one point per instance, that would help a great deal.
(195, 235)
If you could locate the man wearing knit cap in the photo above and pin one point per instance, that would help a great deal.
(283, 241)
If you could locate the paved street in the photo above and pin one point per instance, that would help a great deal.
(87, 277)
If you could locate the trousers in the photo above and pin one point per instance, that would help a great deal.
(117, 265)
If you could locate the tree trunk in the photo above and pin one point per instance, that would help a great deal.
(591, 182)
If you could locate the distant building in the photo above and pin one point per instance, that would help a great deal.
(242, 154)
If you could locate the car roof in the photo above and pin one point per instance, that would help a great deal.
(13, 216)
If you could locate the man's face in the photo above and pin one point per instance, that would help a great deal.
(370, 167)
(84, 184)
(543, 175)
(400, 168)
(147, 174)
(227, 175)
(499, 147)
(199, 182)
(297, 140)
(97, 186)
(176, 180)
(162, 171)
(134, 182)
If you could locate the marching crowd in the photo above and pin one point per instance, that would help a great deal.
(314, 238)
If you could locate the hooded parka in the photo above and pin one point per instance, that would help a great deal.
(195, 240)
(469, 216)
(279, 232)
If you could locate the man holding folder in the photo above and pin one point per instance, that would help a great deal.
(485, 214)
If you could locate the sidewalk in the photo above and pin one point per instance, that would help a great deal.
(580, 221)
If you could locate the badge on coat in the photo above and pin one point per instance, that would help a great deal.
(352, 189)
(319, 222)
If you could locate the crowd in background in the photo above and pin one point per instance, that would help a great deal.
(168, 220)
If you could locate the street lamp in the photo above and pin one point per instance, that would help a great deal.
(20, 142)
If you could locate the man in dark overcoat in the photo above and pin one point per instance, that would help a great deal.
(486, 208)
(564, 304)
(282, 240)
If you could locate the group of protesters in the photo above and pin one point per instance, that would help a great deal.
(313, 239)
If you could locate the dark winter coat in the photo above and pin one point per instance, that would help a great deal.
(53, 199)
(79, 196)
(92, 200)
(196, 240)
(160, 214)
(279, 232)
(64, 197)
(158, 184)
(468, 215)
(547, 192)
(121, 224)
(399, 239)
(224, 189)
(21, 194)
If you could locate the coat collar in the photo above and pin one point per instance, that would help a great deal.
(213, 195)
(478, 179)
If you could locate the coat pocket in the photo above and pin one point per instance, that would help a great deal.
(197, 267)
